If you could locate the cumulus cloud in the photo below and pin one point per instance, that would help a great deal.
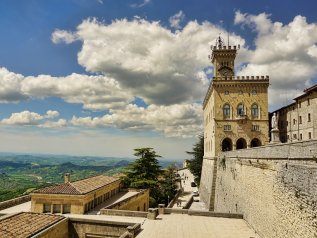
(23, 118)
(63, 36)
(176, 20)
(173, 121)
(93, 92)
(51, 114)
(149, 60)
(54, 124)
(27, 118)
(286, 52)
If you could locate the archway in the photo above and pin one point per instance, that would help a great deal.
(226, 144)
(255, 142)
(241, 144)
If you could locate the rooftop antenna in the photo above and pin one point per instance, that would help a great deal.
(228, 33)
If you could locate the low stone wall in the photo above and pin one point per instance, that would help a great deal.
(201, 213)
(274, 187)
(14, 202)
(113, 212)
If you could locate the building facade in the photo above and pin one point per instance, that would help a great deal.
(298, 121)
(235, 114)
(76, 197)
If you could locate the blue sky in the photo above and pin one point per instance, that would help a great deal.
(101, 77)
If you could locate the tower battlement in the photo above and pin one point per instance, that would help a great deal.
(266, 77)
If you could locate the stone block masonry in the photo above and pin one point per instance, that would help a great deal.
(274, 187)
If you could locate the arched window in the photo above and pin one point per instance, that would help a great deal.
(226, 144)
(226, 111)
(241, 144)
(240, 110)
(255, 142)
(255, 110)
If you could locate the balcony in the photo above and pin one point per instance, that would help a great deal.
(241, 117)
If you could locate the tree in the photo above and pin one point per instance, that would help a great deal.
(195, 164)
(144, 173)
(168, 184)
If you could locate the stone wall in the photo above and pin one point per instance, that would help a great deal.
(83, 228)
(14, 202)
(59, 229)
(206, 181)
(274, 187)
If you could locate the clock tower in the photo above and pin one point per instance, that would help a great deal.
(223, 59)
(235, 115)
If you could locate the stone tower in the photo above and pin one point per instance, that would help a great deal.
(235, 114)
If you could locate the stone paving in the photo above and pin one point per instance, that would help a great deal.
(186, 226)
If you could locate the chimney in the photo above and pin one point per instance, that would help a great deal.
(67, 178)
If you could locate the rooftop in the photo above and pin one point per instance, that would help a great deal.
(26, 224)
(79, 187)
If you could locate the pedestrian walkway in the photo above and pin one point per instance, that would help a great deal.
(185, 183)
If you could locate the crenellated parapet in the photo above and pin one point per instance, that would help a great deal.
(226, 81)
(241, 78)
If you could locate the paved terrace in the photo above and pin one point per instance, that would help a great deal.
(187, 226)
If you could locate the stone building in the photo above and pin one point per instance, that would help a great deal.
(235, 113)
(82, 196)
(298, 121)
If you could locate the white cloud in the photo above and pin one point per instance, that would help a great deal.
(176, 20)
(54, 124)
(172, 121)
(149, 60)
(63, 36)
(138, 5)
(10, 86)
(287, 53)
(23, 118)
(51, 114)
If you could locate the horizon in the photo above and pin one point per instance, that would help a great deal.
(102, 77)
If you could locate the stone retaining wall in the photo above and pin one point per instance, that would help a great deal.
(274, 187)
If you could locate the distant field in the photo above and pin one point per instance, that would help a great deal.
(20, 174)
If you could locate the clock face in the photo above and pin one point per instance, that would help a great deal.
(225, 72)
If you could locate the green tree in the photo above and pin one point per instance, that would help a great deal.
(168, 184)
(144, 173)
(195, 164)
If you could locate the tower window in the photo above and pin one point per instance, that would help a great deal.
(227, 127)
(226, 92)
(240, 110)
(309, 117)
(309, 135)
(300, 119)
(255, 110)
(255, 128)
(226, 111)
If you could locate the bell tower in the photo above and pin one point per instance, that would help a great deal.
(235, 115)
(222, 58)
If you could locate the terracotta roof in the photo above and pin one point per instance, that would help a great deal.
(26, 224)
(79, 187)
